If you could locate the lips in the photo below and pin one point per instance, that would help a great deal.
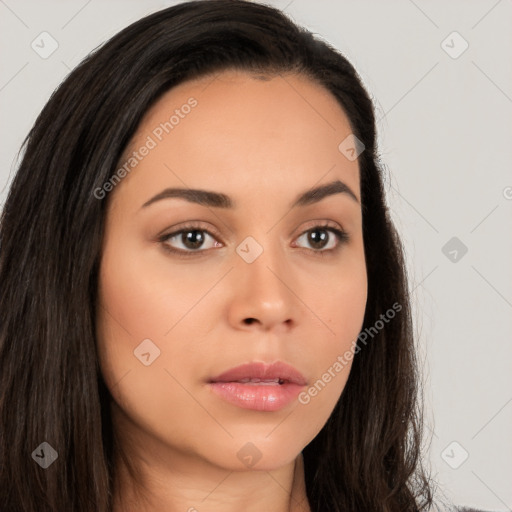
(277, 373)
(259, 386)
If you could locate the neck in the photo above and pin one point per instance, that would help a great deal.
(146, 481)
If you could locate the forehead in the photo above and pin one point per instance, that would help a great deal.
(235, 131)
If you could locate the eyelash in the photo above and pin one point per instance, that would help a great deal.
(341, 235)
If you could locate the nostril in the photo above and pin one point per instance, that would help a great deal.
(249, 321)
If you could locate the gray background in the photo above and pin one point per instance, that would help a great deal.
(445, 129)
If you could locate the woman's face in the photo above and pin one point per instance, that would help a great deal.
(258, 274)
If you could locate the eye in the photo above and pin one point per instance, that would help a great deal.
(192, 239)
(324, 239)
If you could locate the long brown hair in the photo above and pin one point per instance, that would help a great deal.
(366, 457)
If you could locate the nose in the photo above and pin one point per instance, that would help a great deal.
(263, 296)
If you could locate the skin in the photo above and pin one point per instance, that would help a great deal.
(261, 142)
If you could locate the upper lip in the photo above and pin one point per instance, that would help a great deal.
(283, 372)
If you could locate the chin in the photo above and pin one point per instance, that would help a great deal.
(258, 452)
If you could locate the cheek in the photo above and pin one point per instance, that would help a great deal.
(142, 333)
(145, 295)
(342, 306)
(147, 313)
(338, 297)
(340, 302)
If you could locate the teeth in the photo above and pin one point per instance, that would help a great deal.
(265, 382)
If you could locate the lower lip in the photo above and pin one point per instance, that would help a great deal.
(258, 397)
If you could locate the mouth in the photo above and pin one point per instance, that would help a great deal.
(259, 386)
(261, 373)
(260, 382)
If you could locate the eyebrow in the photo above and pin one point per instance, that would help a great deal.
(219, 200)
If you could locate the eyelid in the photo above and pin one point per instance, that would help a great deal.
(190, 226)
(330, 226)
(334, 228)
(319, 223)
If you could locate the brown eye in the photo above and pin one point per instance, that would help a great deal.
(192, 239)
(323, 238)
(188, 240)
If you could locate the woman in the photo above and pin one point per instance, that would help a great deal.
(204, 300)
